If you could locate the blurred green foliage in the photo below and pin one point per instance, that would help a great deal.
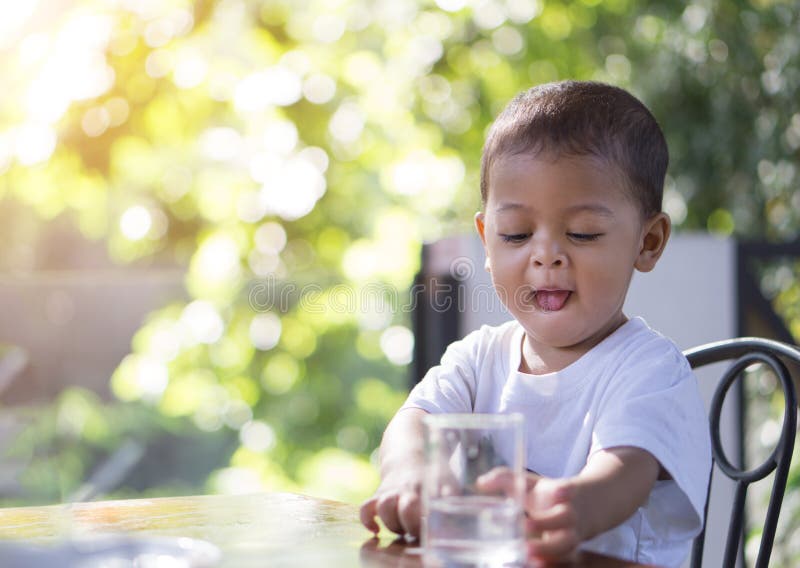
(293, 155)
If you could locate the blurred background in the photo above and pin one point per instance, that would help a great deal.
(212, 212)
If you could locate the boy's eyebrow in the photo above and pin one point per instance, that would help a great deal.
(509, 206)
(596, 208)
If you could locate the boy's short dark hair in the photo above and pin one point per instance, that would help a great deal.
(581, 118)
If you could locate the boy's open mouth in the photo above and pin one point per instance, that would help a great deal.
(551, 300)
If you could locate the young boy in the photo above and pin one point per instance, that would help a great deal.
(572, 176)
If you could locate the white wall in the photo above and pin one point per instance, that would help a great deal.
(691, 294)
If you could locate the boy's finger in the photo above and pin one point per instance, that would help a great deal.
(547, 493)
(531, 479)
(553, 545)
(387, 511)
(498, 479)
(409, 511)
(558, 517)
(367, 514)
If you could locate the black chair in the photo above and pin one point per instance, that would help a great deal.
(745, 352)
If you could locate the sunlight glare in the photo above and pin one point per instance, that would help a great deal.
(79, 62)
(13, 16)
(45, 100)
(135, 223)
(33, 49)
(89, 78)
(35, 143)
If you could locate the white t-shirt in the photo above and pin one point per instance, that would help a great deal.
(634, 388)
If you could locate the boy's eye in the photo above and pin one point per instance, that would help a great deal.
(584, 237)
(515, 238)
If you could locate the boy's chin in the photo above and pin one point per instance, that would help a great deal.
(552, 335)
(557, 332)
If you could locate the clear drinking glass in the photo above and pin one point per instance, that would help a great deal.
(466, 521)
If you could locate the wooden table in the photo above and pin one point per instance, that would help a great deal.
(273, 529)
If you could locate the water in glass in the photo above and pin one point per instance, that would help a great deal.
(474, 530)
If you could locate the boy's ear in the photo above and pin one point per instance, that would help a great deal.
(480, 224)
(656, 233)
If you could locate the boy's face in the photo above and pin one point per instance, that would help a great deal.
(562, 240)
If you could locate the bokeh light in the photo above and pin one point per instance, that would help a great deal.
(13, 16)
(293, 189)
(272, 86)
(265, 331)
(201, 323)
(135, 222)
(257, 436)
(397, 343)
(34, 143)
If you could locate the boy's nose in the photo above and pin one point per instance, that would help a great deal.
(544, 263)
(548, 255)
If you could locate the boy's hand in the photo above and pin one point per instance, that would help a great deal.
(398, 503)
(553, 525)
(398, 500)
(565, 512)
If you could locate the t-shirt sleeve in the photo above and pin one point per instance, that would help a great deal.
(656, 406)
(451, 386)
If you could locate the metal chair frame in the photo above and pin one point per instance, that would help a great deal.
(745, 352)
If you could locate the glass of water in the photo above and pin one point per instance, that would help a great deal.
(467, 519)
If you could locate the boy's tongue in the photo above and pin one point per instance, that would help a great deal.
(551, 300)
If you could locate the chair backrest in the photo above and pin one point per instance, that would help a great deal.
(744, 352)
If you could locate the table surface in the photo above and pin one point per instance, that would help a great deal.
(275, 529)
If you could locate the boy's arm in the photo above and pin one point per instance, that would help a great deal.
(397, 501)
(565, 512)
